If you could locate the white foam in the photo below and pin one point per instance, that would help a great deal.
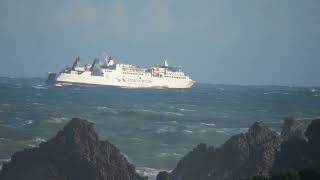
(208, 124)
(2, 161)
(231, 131)
(151, 173)
(40, 140)
(163, 155)
(166, 130)
(57, 120)
(107, 109)
(174, 113)
(187, 110)
(39, 87)
(37, 104)
(28, 122)
(188, 131)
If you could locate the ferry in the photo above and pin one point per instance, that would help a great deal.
(109, 73)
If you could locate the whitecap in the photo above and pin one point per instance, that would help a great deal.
(167, 122)
(28, 122)
(208, 124)
(151, 173)
(174, 113)
(187, 110)
(40, 140)
(106, 109)
(57, 120)
(39, 86)
(163, 155)
(232, 131)
(2, 161)
(188, 131)
(37, 104)
(166, 130)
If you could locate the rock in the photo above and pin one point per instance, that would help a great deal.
(196, 164)
(243, 155)
(163, 175)
(74, 154)
(313, 145)
(291, 158)
(253, 154)
(300, 153)
(292, 128)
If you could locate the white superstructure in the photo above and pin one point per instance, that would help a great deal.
(123, 75)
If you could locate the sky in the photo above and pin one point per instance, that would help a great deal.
(248, 42)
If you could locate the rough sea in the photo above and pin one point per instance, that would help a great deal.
(154, 128)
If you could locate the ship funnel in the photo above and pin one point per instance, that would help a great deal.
(110, 61)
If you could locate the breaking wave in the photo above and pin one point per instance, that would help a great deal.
(151, 173)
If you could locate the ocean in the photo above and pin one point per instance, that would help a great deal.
(153, 128)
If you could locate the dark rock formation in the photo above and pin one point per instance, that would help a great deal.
(306, 174)
(260, 153)
(298, 153)
(74, 154)
(163, 175)
(243, 155)
(292, 128)
(313, 146)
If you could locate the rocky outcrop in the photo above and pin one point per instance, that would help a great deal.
(74, 154)
(299, 153)
(292, 128)
(258, 153)
(163, 175)
(313, 146)
(243, 155)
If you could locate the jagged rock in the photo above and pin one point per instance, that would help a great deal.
(298, 153)
(196, 164)
(243, 155)
(74, 154)
(292, 128)
(163, 175)
(254, 154)
(313, 145)
(292, 156)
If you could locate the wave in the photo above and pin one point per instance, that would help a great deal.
(231, 131)
(166, 129)
(187, 110)
(39, 87)
(36, 142)
(167, 122)
(188, 131)
(152, 112)
(151, 173)
(57, 120)
(207, 124)
(2, 161)
(164, 155)
(37, 104)
(107, 109)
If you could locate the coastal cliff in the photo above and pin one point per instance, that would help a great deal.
(260, 152)
(75, 153)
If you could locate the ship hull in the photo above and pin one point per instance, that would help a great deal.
(111, 79)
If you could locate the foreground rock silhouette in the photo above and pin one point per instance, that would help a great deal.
(259, 153)
(74, 154)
